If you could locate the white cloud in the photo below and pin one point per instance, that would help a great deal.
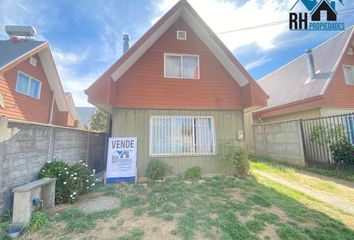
(223, 16)
(73, 82)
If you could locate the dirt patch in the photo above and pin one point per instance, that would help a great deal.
(269, 231)
(279, 212)
(99, 204)
(125, 221)
(237, 194)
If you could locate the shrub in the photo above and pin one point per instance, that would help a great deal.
(71, 181)
(234, 161)
(157, 169)
(194, 173)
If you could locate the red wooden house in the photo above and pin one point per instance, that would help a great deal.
(30, 87)
(180, 91)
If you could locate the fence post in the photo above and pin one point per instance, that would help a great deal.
(304, 147)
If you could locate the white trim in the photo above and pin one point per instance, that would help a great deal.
(180, 55)
(180, 38)
(176, 154)
(28, 86)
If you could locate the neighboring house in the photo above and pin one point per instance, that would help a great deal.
(75, 119)
(318, 83)
(30, 85)
(180, 91)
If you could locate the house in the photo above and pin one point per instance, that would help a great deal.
(30, 86)
(324, 6)
(318, 83)
(180, 91)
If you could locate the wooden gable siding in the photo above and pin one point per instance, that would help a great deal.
(338, 93)
(144, 85)
(22, 107)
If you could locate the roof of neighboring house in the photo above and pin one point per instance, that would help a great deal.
(12, 53)
(290, 83)
(71, 104)
(181, 9)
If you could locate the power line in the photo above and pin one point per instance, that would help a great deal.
(342, 12)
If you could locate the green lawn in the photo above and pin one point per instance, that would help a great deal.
(340, 172)
(214, 208)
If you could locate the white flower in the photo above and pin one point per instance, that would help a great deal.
(75, 173)
(88, 187)
(43, 170)
(59, 174)
(73, 198)
(74, 193)
(87, 180)
(75, 178)
(80, 161)
(92, 175)
(49, 161)
(64, 183)
(67, 172)
(71, 195)
(71, 175)
(93, 184)
(65, 168)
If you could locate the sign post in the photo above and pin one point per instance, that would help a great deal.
(121, 159)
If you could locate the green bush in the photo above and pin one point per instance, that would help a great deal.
(194, 173)
(157, 169)
(71, 181)
(234, 161)
(342, 152)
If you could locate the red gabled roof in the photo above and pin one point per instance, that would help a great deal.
(98, 92)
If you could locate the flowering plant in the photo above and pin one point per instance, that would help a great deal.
(71, 181)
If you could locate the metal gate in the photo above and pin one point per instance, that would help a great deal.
(329, 140)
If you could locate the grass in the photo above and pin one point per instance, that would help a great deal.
(215, 208)
(39, 221)
(345, 172)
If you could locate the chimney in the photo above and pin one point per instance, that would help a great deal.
(310, 64)
(125, 43)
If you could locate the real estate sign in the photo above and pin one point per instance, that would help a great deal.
(121, 159)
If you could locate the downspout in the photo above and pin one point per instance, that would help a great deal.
(51, 109)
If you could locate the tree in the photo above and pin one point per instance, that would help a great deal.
(99, 121)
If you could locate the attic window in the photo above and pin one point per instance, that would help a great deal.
(181, 35)
(184, 66)
(349, 75)
(33, 61)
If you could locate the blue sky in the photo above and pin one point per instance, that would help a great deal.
(86, 35)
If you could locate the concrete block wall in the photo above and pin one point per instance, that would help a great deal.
(280, 141)
(25, 147)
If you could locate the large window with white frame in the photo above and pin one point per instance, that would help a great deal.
(184, 66)
(349, 74)
(182, 135)
(28, 85)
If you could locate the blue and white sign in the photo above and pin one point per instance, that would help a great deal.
(121, 159)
